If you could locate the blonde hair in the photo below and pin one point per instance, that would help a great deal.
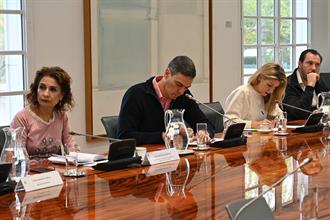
(271, 71)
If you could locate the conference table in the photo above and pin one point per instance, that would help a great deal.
(198, 186)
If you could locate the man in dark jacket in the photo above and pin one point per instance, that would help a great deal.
(143, 106)
(304, 85)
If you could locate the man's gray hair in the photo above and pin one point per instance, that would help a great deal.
(184, 65)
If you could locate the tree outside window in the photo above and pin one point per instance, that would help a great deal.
(274, 31)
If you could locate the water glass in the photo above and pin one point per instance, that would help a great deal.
(282, 122)
(202, 135)
(325, 139)
(71, 161)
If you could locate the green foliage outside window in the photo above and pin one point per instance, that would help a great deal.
(263, 20)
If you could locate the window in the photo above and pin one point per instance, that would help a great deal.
(274, 31)
(12, 59)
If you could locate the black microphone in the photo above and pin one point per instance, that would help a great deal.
(233, 134)
(292, 106)
(94, 136)
(238, 213)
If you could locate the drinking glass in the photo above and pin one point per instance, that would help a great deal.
(202, 136)
(71, 161)
(325, 139)
(282, 123)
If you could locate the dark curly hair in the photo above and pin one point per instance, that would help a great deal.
(62, 78)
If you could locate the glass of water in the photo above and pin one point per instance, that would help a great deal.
(71, 161)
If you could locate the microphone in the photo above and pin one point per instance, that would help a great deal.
(305, 161)
(233, 134)
(292, 106)
(120, 154)
(94, 136)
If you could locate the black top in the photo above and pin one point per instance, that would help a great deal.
(294, 95)
(142, 117)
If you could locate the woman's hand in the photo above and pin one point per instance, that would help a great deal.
(257, 124)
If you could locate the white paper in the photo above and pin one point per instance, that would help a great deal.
(85, 157)
(82, 158)
(294, 126)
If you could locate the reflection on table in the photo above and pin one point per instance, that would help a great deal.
(197, 186)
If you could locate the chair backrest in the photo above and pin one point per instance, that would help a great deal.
(110, 124)
(325, 77)
(213, 117)
(2, 137)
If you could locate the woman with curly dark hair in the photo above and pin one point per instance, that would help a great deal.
(44, 118)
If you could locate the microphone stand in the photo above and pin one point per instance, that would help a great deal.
(94, 136)
(235, 128)
(212, 109)
(292, 106)
(306, 161)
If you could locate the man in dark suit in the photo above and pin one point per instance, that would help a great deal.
(142, 109)
(303, 85)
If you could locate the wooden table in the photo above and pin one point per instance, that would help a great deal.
(215, 178)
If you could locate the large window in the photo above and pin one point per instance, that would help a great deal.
(274, 31)
(12, 59)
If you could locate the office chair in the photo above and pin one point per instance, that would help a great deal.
(2, 137)
(110, 124)
(213, 117)
(325, 78)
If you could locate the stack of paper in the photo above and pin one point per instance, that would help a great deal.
(82, 157)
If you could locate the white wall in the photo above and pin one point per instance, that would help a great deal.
(320, 31)
(56, 37)
(226, 48)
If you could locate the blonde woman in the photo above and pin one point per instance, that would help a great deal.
(255, 103)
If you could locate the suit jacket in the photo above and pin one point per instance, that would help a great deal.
(295, 96)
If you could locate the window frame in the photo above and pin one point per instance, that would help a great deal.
(276, 44)
(23, 52)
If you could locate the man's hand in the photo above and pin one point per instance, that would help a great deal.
(312, 78)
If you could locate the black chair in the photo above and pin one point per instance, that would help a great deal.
(2, 137)
(213, 117)
(110, 124)
(325, 78)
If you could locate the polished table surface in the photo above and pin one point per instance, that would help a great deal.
(197, 187)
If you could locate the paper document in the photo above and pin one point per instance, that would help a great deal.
(294, 126)
(82, 158)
